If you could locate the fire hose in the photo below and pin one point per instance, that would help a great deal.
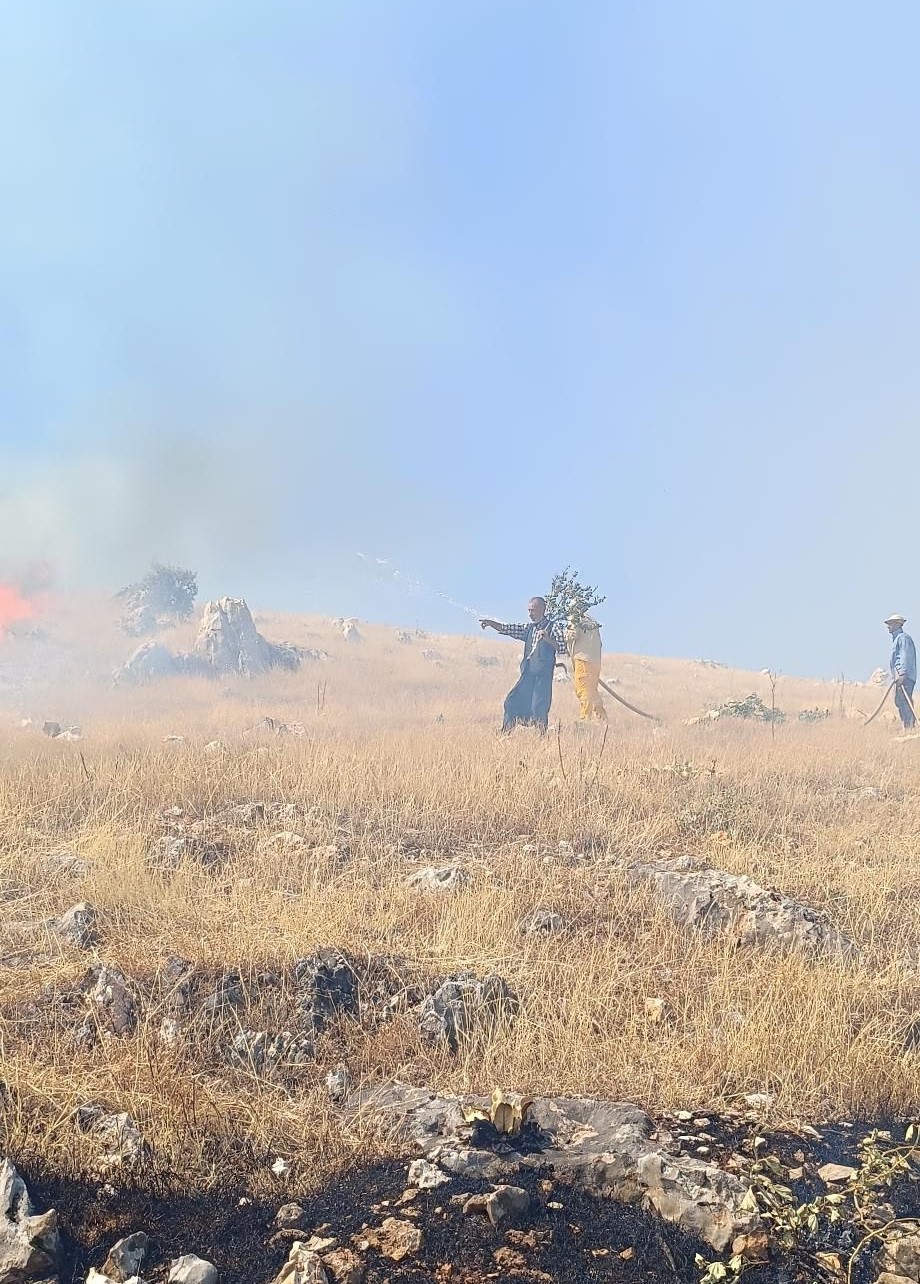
(881, 703)
(631, 707)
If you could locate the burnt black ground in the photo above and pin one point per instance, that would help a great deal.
(240, 1241)
(581, 1241)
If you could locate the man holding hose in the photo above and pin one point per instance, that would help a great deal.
(903, 668)
(529, 700)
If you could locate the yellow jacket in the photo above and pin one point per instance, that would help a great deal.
(585, 640)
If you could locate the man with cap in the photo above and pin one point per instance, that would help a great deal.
(903, 668)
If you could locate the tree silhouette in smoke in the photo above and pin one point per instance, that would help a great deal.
(166, 595)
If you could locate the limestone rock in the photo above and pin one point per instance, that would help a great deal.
(262, 1050)
(172, 851)
(499, 1205)
(112, 1006)
(190, 1269)
(608, 1148)
(291, 1217)
(68, 863)
(121, 1140)
(338, 1083)
(150, 661)
(463, 1004)
(900, 1252)
(446, 879)
(228, 641)
(543, 922)
(425, 1175)
(394, 1238)
(716, 902)
(302, 1267)
(345, 1266)
(126, 1257)
(830, 1173)
(79, 926)
(30, 1245)
(328, 987)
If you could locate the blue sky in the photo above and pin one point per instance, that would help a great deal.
(483, 288)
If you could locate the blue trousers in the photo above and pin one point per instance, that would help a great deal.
(528, 702)
(904, 709)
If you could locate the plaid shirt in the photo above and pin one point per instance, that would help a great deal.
(527, 633)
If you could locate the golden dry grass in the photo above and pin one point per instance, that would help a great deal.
(400, 749)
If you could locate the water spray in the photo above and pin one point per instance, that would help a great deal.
(413, 585)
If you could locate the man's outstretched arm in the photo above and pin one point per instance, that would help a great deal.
(507, 630)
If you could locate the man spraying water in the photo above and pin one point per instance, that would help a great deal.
(529, 700)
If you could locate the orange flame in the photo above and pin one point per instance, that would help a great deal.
(13, 606)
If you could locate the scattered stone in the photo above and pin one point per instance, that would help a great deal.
(30, 1244)
(321, 1243)
(172, 851)
(432, 656)
(501, 1204)
(291, 1217)
(148, 662)
(170, 1030)
(345, 1266)
(126, 1257)
(350, 631)
(717, 902)
(174, 740)
(394, 1238)
(425, 1175)
(759, 1100)
(449, 878)
(120, 1137)
(657, 1011)
(510, 1259)
(263, 1051)
(51, 729)
(543, 922)
(328, 987)
(403, 638)
(70, 864)
(271, 726)
(900, 1254)
(248, 815)
(112, 1006)
(192, 1270)
(609, 1148)
(285, 839)
(338, 1084)
(302, 1267)
(78, 926)
(462, 1005)
(830, 1173)
(281, 1167)
(214, 747)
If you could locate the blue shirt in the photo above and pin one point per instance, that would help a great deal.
(904, 657)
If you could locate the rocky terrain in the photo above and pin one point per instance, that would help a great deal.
(306, 975)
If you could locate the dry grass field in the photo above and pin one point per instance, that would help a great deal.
(400, 765)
